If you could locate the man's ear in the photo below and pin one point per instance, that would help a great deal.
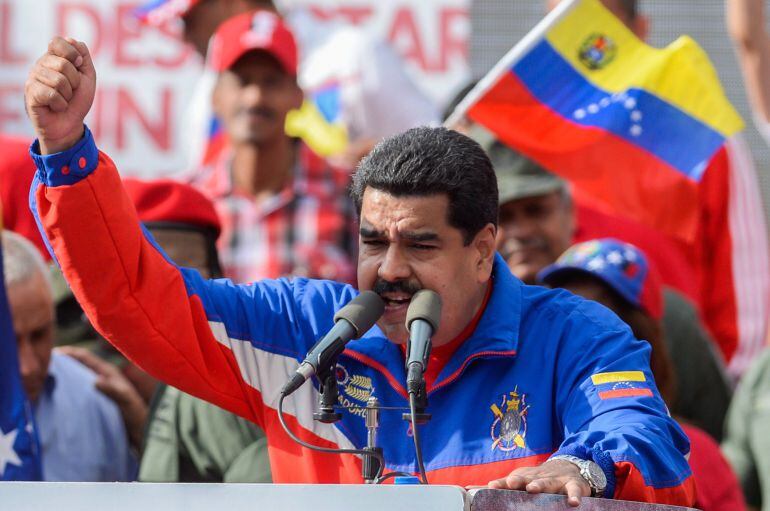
(485, 244)
(216, 98)
(299, 97)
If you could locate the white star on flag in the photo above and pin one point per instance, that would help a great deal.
(596, 263)
(615, 258)
(8, 455)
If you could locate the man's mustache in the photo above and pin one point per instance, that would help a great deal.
(404, 286)
(257, 111)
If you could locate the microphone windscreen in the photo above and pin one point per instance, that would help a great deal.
(362, 312)
(425, 305)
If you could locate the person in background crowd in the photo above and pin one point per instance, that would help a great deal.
(538, 223)
(747, 441)
(747, 26)
(619, 276)
(284, 210)
(352, 80)
(82, 436)
(188, 439)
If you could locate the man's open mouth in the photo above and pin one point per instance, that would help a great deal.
(396, 299)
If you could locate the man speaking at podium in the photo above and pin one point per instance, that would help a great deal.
(518, 374)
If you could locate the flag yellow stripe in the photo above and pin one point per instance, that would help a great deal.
(680, 74)
(600, 378)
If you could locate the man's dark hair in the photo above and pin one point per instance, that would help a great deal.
(429, 161)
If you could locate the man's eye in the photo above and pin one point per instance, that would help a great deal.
(38, 335)
(373, 243)
(420, 246)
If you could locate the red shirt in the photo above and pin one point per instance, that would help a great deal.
(440, 355)
(717, 486)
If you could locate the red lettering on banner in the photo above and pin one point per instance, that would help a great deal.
(128, 110)
(67, 12)
(321, 13)
(7, 53)
(454, 36)
(355, 15)
(9, 114)
(178, 60)
(352, 14)
(120, 33)
(127, 29)
(405, 37)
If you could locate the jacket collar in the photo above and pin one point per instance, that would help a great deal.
(496, 335)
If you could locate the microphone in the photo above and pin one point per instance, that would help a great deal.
(422, 319)
(350, 322)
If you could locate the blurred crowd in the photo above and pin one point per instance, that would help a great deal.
(267, 198)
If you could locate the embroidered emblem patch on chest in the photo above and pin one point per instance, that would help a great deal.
(354, 390)
(509, 427)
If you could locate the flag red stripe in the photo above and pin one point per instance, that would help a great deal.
(609, 394)
(653, 193)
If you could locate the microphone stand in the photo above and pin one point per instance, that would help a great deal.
(328, 398)
(371, 466)
(421, 403)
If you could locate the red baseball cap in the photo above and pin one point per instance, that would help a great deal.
(165, 200)
(255, 30)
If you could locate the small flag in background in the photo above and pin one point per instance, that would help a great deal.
(318, 122)
(632, 126)
(19, 446)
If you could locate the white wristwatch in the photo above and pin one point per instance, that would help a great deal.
(590, 471)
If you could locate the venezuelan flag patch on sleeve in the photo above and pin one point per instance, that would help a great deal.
(621, 384)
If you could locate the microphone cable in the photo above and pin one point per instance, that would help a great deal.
(416, 438)
(327, 450)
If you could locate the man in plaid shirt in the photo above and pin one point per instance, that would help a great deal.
(284, 210)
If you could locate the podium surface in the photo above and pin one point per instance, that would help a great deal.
(228, 497)
(500, 500)
(289, 497)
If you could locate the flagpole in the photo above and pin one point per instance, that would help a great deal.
(532, 38)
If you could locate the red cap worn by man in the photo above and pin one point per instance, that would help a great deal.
(181, 219)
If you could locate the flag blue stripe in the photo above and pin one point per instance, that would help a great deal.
(636, 115)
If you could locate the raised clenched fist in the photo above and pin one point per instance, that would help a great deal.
(59, 93)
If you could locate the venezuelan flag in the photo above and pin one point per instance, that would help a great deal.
(632, 126)
(621, 384)
(318, 122)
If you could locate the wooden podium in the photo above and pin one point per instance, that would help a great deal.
(289, 497)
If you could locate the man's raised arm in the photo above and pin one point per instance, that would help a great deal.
(209, 338)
